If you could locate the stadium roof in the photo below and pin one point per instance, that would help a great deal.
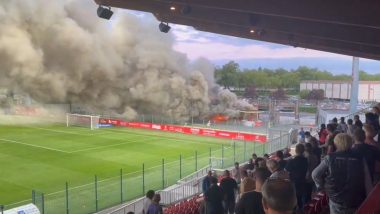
(349, 27)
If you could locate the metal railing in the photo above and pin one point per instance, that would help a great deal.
(186, 188)
(192, 185)
(181, 192)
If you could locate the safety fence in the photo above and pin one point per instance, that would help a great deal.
(186, 188)
(105, 192)
(192, 185)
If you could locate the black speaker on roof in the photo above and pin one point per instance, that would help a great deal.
(164, 27)
(104, 12)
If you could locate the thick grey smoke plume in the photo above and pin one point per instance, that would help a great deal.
(60, 51)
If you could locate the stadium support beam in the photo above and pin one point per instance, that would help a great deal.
(354, 85)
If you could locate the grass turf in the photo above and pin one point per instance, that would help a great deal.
(43, 158)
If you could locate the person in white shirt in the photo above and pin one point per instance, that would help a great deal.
(236, 174)
(148, 201)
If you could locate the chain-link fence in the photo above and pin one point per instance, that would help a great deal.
(103, 192)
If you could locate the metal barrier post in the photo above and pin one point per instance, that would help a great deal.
(209, 157)
(121, 186)
(180, 166)
(143, 179)
(42, 203)
(196, 160)
(264, 147)
(222, 156)
(245, 151)
(67, 198)
(234, 151)
(96, 194)
(163, 173)
(33, 196)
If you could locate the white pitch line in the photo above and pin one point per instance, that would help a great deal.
(26, 144)
(59, 131)
(100, 147)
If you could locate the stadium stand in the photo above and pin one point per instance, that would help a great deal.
(189, 206)
(192, 202)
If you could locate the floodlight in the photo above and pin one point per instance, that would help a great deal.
(164, 27)
(104, 12)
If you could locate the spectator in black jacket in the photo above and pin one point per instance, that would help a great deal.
(357, 122)
(369, 152)
(280, 159)
(251, 202)
(341, 174)
(312, 161)
(214, 198)
(297, 168)
(229, 188)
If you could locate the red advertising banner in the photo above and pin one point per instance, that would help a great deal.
(189, 130)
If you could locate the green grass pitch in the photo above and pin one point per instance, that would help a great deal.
(45, 157)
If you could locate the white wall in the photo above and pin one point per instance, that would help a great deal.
(368, 91)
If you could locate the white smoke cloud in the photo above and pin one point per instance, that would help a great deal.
(60, 51)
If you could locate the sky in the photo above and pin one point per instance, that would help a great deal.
(220, 49)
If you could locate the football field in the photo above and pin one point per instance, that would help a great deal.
(45, 157)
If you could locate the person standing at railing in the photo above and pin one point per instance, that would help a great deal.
(206, 182)
(155, 207)
(214, 198)
(322, 134)
(148, 201)
(236, 173)
(229, 188)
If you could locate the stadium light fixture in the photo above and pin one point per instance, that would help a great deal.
(172, 8)
(104, 12)
(164, 27)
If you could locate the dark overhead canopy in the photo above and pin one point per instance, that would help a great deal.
(350, 27)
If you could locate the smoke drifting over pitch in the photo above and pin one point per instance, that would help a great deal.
(60, 51)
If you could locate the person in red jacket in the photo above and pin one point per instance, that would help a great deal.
(322, 134)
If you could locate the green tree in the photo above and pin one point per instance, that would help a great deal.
(227, 75)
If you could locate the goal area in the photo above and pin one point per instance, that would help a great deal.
(82, 120)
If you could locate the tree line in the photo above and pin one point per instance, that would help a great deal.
(231, 76)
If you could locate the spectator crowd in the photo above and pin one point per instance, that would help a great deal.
(343, 161)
